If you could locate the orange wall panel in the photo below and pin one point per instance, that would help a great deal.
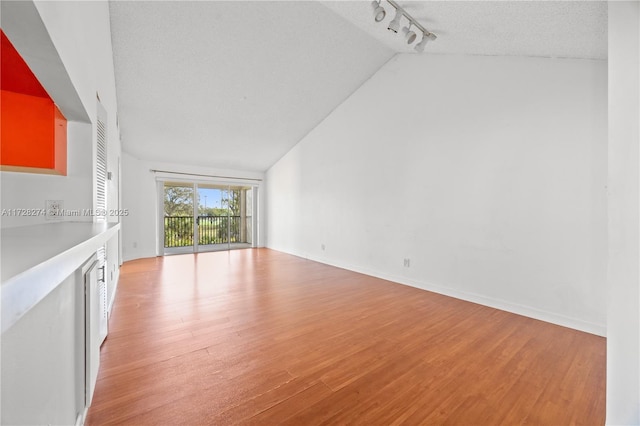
(27, 131)
(60, 138)
(15, 74)
(33, 131)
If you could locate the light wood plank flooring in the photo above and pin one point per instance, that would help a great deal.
(260, 337)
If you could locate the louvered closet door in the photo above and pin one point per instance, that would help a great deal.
(101, 212)
(101, 165)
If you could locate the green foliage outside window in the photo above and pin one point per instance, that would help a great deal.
(213, 221)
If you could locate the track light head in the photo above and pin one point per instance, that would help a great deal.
(394, 25)
(426, 37)
(409, 35)
(378, 11)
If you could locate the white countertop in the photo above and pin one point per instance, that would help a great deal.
(36, 259)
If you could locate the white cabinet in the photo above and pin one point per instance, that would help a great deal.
(52, 313)
(92, 340)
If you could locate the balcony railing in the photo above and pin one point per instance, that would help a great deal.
(178, 230)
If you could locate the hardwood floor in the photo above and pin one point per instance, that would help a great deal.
(261, 337)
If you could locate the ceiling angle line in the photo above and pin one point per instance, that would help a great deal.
(203, 175)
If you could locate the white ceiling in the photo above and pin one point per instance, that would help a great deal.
(560, 29)
(236, 84)
(232, 84)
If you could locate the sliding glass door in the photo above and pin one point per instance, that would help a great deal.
(179, 229)
(207, 217)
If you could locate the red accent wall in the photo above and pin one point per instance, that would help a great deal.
(33, 131)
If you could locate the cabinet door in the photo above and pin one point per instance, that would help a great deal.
(92, 330)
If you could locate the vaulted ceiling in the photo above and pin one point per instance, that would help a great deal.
(235, 85)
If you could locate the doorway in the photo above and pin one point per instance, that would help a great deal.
(201, 216)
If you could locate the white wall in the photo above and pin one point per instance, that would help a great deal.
(68, 46)
(31, 190)
(139, 197)
(488, 173)
(90, 67)
(623, 319)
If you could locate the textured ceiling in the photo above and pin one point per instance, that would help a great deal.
(232, 84)
(559, 29)
(237, 84)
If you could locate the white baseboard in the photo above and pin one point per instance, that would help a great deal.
(128, 256)
(82, 417)
(503, 305)
(113, 295)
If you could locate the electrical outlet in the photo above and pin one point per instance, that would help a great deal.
(322, 247)
(54, 209)
(407, 263)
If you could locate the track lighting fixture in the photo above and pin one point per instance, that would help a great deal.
(395, 24)
(426, 37)
(378, 11)
(423, 43)
(410, 36)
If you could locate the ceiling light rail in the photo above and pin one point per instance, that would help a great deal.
(394, 26)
